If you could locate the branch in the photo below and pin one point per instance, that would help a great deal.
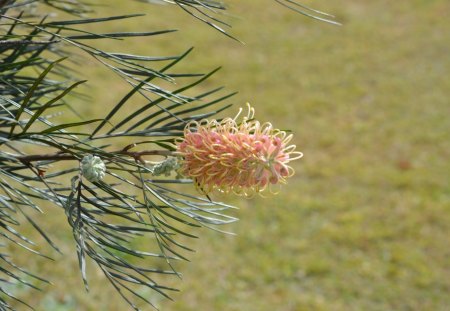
(60, 156)
(14, 43)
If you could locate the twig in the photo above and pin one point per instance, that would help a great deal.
(137, 155)
(9, 43)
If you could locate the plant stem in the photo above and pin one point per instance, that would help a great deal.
(61, 156)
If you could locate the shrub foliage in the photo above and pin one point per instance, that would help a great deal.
(40, 157)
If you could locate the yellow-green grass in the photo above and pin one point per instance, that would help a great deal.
(364, 223)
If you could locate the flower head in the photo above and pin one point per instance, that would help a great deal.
(242, 157)
(93, 168)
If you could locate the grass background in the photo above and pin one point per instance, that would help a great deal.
(364, 223)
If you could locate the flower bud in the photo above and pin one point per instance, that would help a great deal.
(93, 168)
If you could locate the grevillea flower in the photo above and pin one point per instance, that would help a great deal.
(241, 157)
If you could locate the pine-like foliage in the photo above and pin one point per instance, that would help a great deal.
(40, 161)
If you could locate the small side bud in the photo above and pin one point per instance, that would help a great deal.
(165, 167)
(93, 168)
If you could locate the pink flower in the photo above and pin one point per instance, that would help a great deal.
(243, 158)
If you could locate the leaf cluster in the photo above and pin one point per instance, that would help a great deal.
(37, 57)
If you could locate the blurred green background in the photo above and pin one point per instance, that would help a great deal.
(364, 224)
